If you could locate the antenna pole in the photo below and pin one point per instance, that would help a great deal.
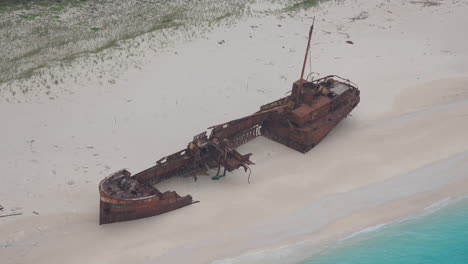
(307, 50)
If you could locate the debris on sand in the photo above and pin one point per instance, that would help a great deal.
(426, 3)
(363, 15)
(10, 215)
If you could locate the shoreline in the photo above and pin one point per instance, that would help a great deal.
(445, 206)
(359, 220)
(387, 161)
(302, 250)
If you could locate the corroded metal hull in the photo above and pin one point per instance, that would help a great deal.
(305, 126)
(115, 210)
(299, 121)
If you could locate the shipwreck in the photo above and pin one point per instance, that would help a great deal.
(300, 121)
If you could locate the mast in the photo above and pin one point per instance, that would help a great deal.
(297, 86)
(307, 50)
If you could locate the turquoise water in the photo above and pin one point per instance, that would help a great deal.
(437, 238)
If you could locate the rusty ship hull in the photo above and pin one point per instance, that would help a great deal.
(120, 210)
(312, 120)
(300, 121)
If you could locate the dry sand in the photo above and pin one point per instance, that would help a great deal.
(404, 148)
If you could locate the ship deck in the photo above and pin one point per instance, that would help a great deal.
(121, 185)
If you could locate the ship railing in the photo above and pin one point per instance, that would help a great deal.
(349, 82)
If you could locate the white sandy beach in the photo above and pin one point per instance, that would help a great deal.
(404, 148)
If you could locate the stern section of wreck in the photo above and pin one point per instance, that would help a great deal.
(317, 108)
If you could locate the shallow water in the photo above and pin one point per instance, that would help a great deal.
(438, 237)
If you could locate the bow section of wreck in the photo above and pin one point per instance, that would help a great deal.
(299, 121)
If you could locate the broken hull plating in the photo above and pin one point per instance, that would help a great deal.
(115, 210)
